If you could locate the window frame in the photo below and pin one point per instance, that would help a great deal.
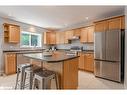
(39, 44)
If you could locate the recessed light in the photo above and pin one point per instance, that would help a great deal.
(87, 18)
(65, 24)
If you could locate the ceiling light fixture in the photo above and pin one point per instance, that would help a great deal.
(87, 18)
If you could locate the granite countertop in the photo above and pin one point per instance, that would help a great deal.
(53, 58)
(23, 51)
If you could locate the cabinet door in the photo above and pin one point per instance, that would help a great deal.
(77, 32)
(123, 22)
(83, 35)
(14, 34)
(46, 37)
(10, 64)
(68, 35)
(81, 61)
(89, 62)
(115, 23)
(101, 26)
(90, 34)
(59, 37)
(52, 38)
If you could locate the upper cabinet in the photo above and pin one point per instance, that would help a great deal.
(87, 34)
(115, 23)
(110, 24)
(50, 37)
(68, 35)
(11, 33)
(90, 34)
(77, 32)
(101, 26)
(59, 37)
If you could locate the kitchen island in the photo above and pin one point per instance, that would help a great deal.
(65, 65)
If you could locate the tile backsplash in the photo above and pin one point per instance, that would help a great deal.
(86, 46)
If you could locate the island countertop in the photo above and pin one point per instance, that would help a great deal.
(54, 58)
(66, 67)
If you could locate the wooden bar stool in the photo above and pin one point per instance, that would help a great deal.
(44, 76)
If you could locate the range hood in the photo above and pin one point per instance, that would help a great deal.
(74, 38)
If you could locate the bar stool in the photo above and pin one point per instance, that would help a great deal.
(21, 69)
(29, 72)
(44, 76)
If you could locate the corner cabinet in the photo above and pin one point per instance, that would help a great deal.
(11, 33)
(87, 35)
(10, 63)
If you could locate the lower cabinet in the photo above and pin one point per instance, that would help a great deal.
(86, 62)
(10, 63)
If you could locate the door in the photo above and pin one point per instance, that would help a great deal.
(99, 45)
(113, 43)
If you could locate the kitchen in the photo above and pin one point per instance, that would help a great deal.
(76, 43)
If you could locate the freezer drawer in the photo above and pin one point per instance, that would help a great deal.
(108, 70)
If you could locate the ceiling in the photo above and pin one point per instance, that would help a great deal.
(57, 17)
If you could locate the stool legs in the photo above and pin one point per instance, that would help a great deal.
(18, 71)
(31, 80)
(22, 79)
(56, 80)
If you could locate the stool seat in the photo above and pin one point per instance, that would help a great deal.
(44, 76)
(25, 65)
(45, 73)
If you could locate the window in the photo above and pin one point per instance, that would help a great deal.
(30, 39)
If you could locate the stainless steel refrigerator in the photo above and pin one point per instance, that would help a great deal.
(109, 55)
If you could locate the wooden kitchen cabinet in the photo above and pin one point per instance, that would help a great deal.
(77, 32)
(115, 23)
(11, 33)
(50, 37)
(101, 26)
(110, 24)
(90, 34)
(86, 62)
(81, 61)
(89, 62)
(68, 35)
(59, 37)
(83, 37)
(10, 63)
(87, 34)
